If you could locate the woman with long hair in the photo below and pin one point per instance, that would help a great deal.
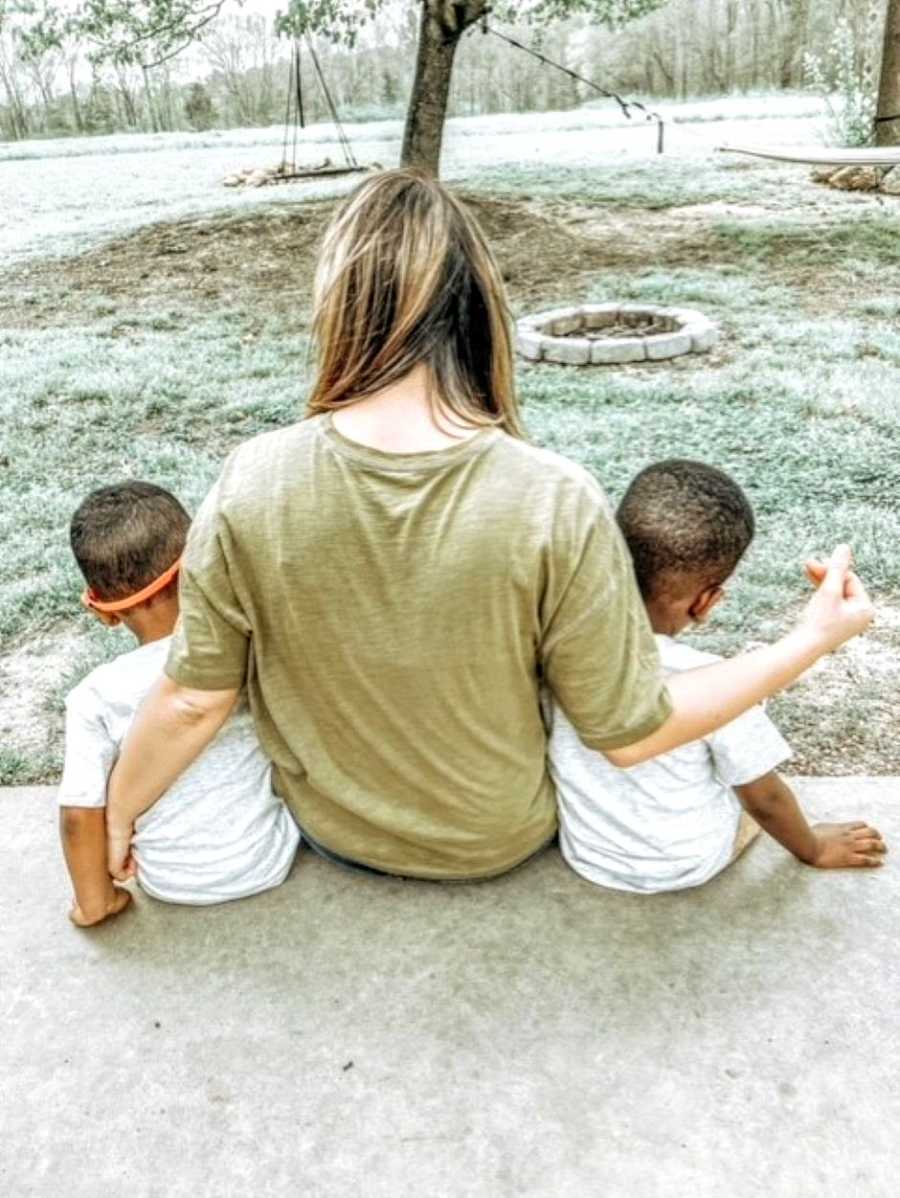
(394, 577)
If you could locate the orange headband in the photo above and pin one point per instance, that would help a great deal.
(115, 605)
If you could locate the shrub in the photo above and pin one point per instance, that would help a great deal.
(848, 94)
(198, 108)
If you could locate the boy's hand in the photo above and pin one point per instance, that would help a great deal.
(840, 609)
(839, 846)
(117, 901)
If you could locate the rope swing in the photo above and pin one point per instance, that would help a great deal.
(295, 119)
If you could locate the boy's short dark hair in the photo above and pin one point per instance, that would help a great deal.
(127, 535)
(684, 518)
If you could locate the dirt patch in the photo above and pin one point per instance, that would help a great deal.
(263, 261)
(829, 731)
(651, 327)
(29, 676)
(546, 251)
(211, 262)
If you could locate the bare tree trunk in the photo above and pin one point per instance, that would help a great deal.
(127, 97)
(441, 26)
(794, 43)
(17, 110)
(887, 132)
(72, 65)
(151, 107)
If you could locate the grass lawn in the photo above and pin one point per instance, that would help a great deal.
(153, 354)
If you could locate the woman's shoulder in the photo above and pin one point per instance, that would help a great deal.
(254, 475)
(269, 449)
(263, 463)
(548, 475)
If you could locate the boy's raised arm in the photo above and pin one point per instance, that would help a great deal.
(710, 697)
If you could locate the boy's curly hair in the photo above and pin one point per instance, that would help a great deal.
(126, 535)
(687, 519)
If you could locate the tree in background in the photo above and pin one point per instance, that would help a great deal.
(887, 126)
(198, 108)
(149, 33)
(16, 122)
(243, 50)
(442, 24)
(368, 50)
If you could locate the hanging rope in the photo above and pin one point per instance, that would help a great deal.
(299, 81)
(625, 105)
(294, 114)
(287, 112)
(343, 139)
(300, 119)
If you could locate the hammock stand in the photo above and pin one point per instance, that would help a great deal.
(820, 156)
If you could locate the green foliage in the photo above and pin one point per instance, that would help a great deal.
(341, 20)
(389, 91)
(143, 32)
(98, 112)
(198, 108)
(18, 770)
(605, 12)
(148, 32)
(837, 77)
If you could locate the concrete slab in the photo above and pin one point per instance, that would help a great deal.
(532, 1035)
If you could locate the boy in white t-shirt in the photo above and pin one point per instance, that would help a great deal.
(219, 832)
(678, 820)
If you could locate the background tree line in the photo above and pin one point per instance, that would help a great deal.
(237, 75)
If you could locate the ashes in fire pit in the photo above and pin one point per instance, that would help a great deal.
(611, 333)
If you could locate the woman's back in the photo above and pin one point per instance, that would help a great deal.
(399, 605)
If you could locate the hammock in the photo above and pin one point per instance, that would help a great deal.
(822, 156)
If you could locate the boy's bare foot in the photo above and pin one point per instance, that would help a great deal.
(847, 845)
(116, 903)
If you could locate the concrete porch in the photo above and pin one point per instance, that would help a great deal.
(531, 1035)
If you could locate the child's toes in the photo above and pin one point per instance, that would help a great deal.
(870, 859)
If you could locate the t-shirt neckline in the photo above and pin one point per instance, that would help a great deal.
(426, 460)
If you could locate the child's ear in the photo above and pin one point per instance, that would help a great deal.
(108, 618)
(700, 609)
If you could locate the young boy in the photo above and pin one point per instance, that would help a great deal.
(219, 832)
(677, 821)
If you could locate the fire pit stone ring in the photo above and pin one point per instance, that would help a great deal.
(604, 334)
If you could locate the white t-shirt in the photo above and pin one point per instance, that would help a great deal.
(219, 832)
(668, 823)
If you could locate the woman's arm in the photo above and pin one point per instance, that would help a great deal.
(173, 726)
(708, 698)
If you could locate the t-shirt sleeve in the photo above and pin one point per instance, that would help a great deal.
(89, 754)
(747, 748)
(211, 642)
(598, 652)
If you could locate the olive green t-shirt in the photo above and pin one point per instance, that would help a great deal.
(393, 616)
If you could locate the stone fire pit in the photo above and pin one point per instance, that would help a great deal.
(602, 334)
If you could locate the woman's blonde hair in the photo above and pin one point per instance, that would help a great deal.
(405, 276)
